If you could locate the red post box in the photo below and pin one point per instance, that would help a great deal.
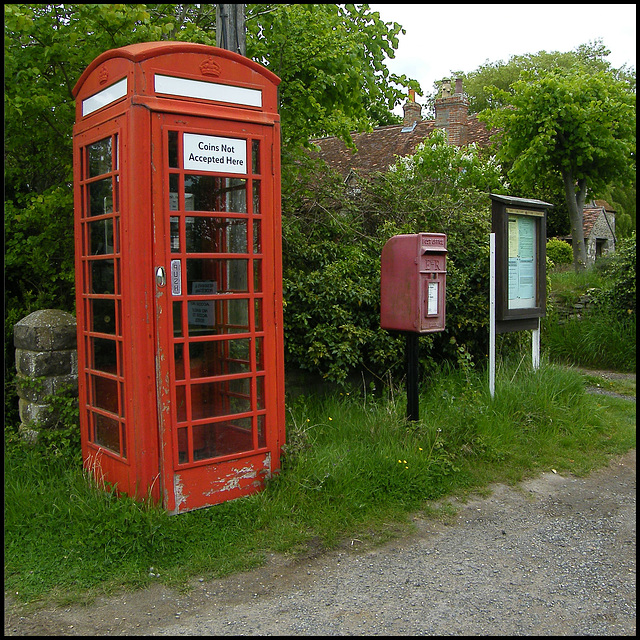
(413, 283)
(178, 272)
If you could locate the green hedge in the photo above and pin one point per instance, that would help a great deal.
(333, 236)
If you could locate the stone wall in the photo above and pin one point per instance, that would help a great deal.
(575, 309)
(46, 362)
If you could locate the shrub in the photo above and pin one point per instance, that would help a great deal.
(604, 336)
(559, 251)
(331, 279)
(619, 292)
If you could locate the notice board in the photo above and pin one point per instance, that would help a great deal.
(520, 228)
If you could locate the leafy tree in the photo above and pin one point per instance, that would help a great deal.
(574, 127)
(344, 85)
(590, 57)
(47, 47)
(330, 59)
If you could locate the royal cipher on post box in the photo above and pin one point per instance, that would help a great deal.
(178, 273)
(413, 283)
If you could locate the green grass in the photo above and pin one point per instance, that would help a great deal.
(597, 340)
(602, 338)
(354, 466)
(567, 285)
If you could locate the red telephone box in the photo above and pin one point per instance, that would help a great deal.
(178, 272)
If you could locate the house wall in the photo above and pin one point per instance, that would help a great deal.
(601, 240)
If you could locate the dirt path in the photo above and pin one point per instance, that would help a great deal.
(553, 556)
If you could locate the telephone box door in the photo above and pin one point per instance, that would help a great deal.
(218, 307)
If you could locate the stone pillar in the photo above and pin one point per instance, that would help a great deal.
(46, 362)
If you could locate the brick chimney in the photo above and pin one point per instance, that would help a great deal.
(412, 110)
(452, 112)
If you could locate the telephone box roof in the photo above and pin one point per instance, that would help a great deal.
(145, 50)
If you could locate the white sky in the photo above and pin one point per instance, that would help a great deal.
(441, 38)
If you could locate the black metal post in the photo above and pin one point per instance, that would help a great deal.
(411, 359)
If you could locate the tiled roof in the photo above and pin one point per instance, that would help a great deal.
(589, 217)
(605, 205)
(477, 132)
(377, 149)
(592, 211)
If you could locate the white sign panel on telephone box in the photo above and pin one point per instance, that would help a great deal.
(214, 153)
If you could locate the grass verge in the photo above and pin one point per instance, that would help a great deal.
(603, 335)
(353, 465)
(597, 340)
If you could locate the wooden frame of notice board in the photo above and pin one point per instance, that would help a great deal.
(519, 225)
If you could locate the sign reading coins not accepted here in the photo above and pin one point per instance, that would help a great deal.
(214, 153)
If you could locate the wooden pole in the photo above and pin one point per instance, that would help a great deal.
(231, 30)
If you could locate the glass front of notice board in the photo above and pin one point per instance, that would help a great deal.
(522, 258)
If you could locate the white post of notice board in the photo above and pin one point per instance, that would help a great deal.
(492, 313)
(535, 347)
